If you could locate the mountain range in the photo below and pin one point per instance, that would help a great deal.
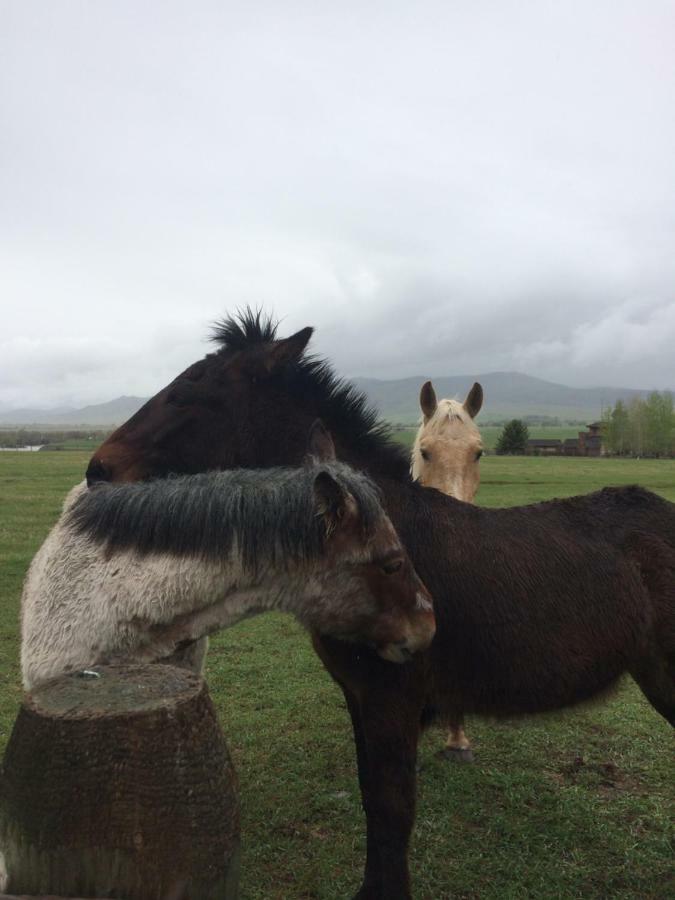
(507, 395)
(102, 415)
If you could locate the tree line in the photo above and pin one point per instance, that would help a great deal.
(33, 437)
(641, 427)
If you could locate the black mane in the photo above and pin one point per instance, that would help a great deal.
(268, 515)
(344, 409)
(245, 328)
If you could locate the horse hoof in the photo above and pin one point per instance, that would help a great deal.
(367, 893)
(457, 754)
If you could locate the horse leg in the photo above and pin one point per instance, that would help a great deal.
(389, 730)
(373, 872)
(654, 671)
(457, 746)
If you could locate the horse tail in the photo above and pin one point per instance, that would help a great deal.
(655, 670)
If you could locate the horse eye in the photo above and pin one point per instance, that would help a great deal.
(392, 567)
(425, 455)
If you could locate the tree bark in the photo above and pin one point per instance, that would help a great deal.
(121, 786)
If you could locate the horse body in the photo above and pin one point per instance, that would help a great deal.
(537, 607)
(533, 616)
(516, 633)
(140, 572)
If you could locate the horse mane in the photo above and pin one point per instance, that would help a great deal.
(344, 409)
(268, 516)
(243, 329)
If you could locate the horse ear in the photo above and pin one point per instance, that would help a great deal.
(331, 500)
(474, 400)
(287, 350)
(428, 400)
(320, 444)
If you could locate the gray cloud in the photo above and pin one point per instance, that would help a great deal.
(438, 188)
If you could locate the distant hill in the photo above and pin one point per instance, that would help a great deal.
(102, 414)
(507, 395)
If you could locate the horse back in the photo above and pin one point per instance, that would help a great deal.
(617, 512)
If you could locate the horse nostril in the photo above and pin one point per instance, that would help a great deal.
(97, 472)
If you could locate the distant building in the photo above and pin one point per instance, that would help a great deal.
(588, 443)
(543, 446)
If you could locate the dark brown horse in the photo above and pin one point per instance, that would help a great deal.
(537, 607)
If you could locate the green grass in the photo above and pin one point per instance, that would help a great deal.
(73, 444)
(490, 433)
(513, 480)
(569, 806)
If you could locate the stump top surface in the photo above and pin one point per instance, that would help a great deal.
(114, 690)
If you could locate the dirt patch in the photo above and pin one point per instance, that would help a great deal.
(605, 776)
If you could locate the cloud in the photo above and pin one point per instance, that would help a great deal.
(438, 189)
(78, 371)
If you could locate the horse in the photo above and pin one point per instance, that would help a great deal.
(143, 572)
(537, 607)
(446, 456)
(448, 445)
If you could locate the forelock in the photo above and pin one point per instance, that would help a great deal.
(451, 411)
(245, 328)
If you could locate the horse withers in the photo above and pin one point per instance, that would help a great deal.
(143, 572)
(537, 607)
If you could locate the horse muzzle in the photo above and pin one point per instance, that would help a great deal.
(419, 636)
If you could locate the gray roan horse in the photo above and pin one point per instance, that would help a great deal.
(537, 607)
(139, 572)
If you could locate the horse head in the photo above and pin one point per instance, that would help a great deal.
(400, 620)
(448, 444)
(203, 419)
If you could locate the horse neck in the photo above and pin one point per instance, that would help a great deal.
(380, 463)
(416, 512)
(200, 597)
(297, 591)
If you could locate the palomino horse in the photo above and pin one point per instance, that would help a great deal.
(446, 456)
(136, 572)
(537, 607)
(448, 445)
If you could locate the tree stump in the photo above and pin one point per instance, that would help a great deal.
(120, 784)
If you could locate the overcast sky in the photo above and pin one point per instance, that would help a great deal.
(439, 188)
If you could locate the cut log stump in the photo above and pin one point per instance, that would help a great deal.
(120, 784)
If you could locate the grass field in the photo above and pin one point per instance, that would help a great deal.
(87, 444)
(570, 806)
(490, 433)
